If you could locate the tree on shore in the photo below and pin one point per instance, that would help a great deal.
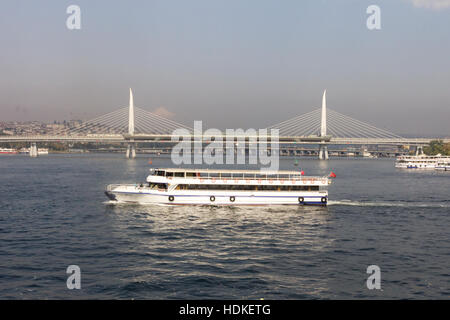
(437, 147)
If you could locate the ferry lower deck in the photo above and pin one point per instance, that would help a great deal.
(136, 194)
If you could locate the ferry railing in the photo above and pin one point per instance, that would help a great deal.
(110, 187)
(242, 177)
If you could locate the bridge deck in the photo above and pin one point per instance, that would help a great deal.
(118, 138)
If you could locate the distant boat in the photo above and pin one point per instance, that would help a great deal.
(422, 162)
(41, 151)
(444, 166)
(367, 154)
(8, 151)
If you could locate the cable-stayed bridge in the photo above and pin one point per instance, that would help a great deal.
(322, 127)
(336, 128)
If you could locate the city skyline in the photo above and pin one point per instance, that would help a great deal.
(231, 64)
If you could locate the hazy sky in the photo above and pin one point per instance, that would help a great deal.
(247, 63)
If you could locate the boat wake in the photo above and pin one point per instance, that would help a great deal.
(116, 203)
(345, 202)
(409, 204)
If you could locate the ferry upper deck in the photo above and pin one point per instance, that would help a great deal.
(239, 174)
(214, 177)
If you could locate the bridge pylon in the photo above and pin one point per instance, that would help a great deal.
(323, 152)
(131, 151)
(323, 148)
(419, 150)
(131, 147)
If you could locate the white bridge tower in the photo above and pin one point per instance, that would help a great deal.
(131, 148)
(323, 149)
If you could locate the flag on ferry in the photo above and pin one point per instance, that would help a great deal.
(302, 172)
(332, 174)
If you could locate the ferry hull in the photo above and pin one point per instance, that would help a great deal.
(415, 166)
(216, 198)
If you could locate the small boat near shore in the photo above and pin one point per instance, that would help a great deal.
(41, 151)
(223, 187)
(8, 151)
(443, 166)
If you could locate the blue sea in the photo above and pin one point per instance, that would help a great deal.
(53, 213)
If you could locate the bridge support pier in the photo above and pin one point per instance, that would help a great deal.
(33, 150)
(323, 152)
(131, 151)
(419, 150)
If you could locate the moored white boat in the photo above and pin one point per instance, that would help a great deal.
(223, 187)
(420, 162)
(8, 151)
(443, 166)
(41, 151)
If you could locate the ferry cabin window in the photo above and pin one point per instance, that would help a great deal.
(190, 174)
(169, 174)
(179, 174)
(156, 186)
(244, 187)
(159, 173)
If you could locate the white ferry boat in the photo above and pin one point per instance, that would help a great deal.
(42, 151)
(420, 162)
(223, 187)
(8, 151)
(444, 166)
